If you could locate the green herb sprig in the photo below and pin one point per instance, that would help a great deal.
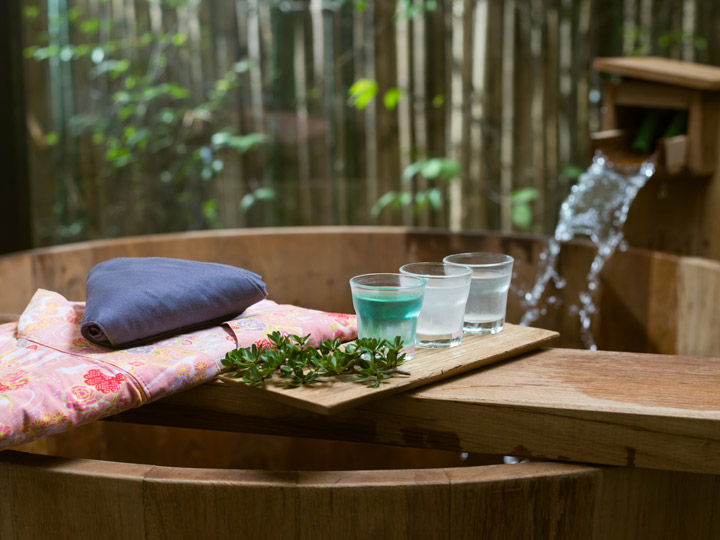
(294, 360)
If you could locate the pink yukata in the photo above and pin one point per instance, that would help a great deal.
(52, 379)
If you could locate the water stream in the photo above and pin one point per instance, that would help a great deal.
(596, 208)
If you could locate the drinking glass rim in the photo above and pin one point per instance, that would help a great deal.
(419, 282)
(505, 259)
(435, 276)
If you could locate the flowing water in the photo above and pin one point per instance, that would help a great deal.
(597, 208)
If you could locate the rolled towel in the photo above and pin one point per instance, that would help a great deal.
(131, 301)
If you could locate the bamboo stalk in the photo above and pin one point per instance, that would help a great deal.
(419, 102)
(404, 107)
(366, 60)
(537, 115)
(689, 23)
(551, 102)
(303, 135)
(478, 184)
(342, 46)
(506, 148)
(454, 138)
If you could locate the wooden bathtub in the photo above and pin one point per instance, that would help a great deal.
(126, 480)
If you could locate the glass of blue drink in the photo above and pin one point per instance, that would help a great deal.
(440, 323)
(491, 275)
(388, 305)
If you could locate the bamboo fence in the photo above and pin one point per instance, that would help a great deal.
(504, 87)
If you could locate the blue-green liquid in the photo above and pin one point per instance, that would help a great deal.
(386, 318)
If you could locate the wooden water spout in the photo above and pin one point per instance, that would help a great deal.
(671, 108)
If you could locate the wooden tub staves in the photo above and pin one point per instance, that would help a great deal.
(648, 302)
(153, 473)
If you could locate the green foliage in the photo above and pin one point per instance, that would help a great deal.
(571, 172)
(409, 9)
(520, 210)
(150, 130)
(665, 42)
(260, 194)
(439, 171)
(296, 362)
(362, 92)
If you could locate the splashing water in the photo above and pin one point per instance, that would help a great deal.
(597, 207)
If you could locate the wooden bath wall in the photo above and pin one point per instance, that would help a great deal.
(649, 301)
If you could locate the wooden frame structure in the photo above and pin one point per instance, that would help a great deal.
(677, 210)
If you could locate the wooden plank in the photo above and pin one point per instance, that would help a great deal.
(703, 120)
(527, 500)
(219, 504)
(649, 95)
(501, 502)
(640, 503)
(698, 320)
(663, 70)
(410, 504)
(428, 365)
(67, 497)
(16, 282)
(634, 410)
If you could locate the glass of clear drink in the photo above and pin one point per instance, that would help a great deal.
(388, 305)
(491, 274)
(440, 323)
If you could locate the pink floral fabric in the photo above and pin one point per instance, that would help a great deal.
(53, 379)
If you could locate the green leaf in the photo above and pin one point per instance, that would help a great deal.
(524, 195)
(572, 172)
(179, 39)
(51, 139)
(411, 170)
(438, 101)
(392, 97)
(90, 26)
(265, 194)
(362, 92)
(450, 169)
(435, 198)
(521, 216)
(384, 200)
(405, 198)
(432, 168)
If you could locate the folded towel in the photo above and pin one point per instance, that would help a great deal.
(136, 300)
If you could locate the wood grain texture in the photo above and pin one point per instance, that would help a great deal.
(48, 497)
(427, 366)
(635, 410)
(16, 282)
(698, 319)
(663, 70)
(650, 95)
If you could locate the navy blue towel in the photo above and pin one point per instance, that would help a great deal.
(136, 300)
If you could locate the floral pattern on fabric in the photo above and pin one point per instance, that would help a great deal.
(52, 379)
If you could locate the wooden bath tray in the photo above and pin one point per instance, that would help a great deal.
(428, 365)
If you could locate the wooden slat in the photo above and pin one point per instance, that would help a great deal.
(663, 70)
(427, 366)
(528, 500)
(626, 409)
(651, 95)
(698, 321)
(496, 502)
(46, 497)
